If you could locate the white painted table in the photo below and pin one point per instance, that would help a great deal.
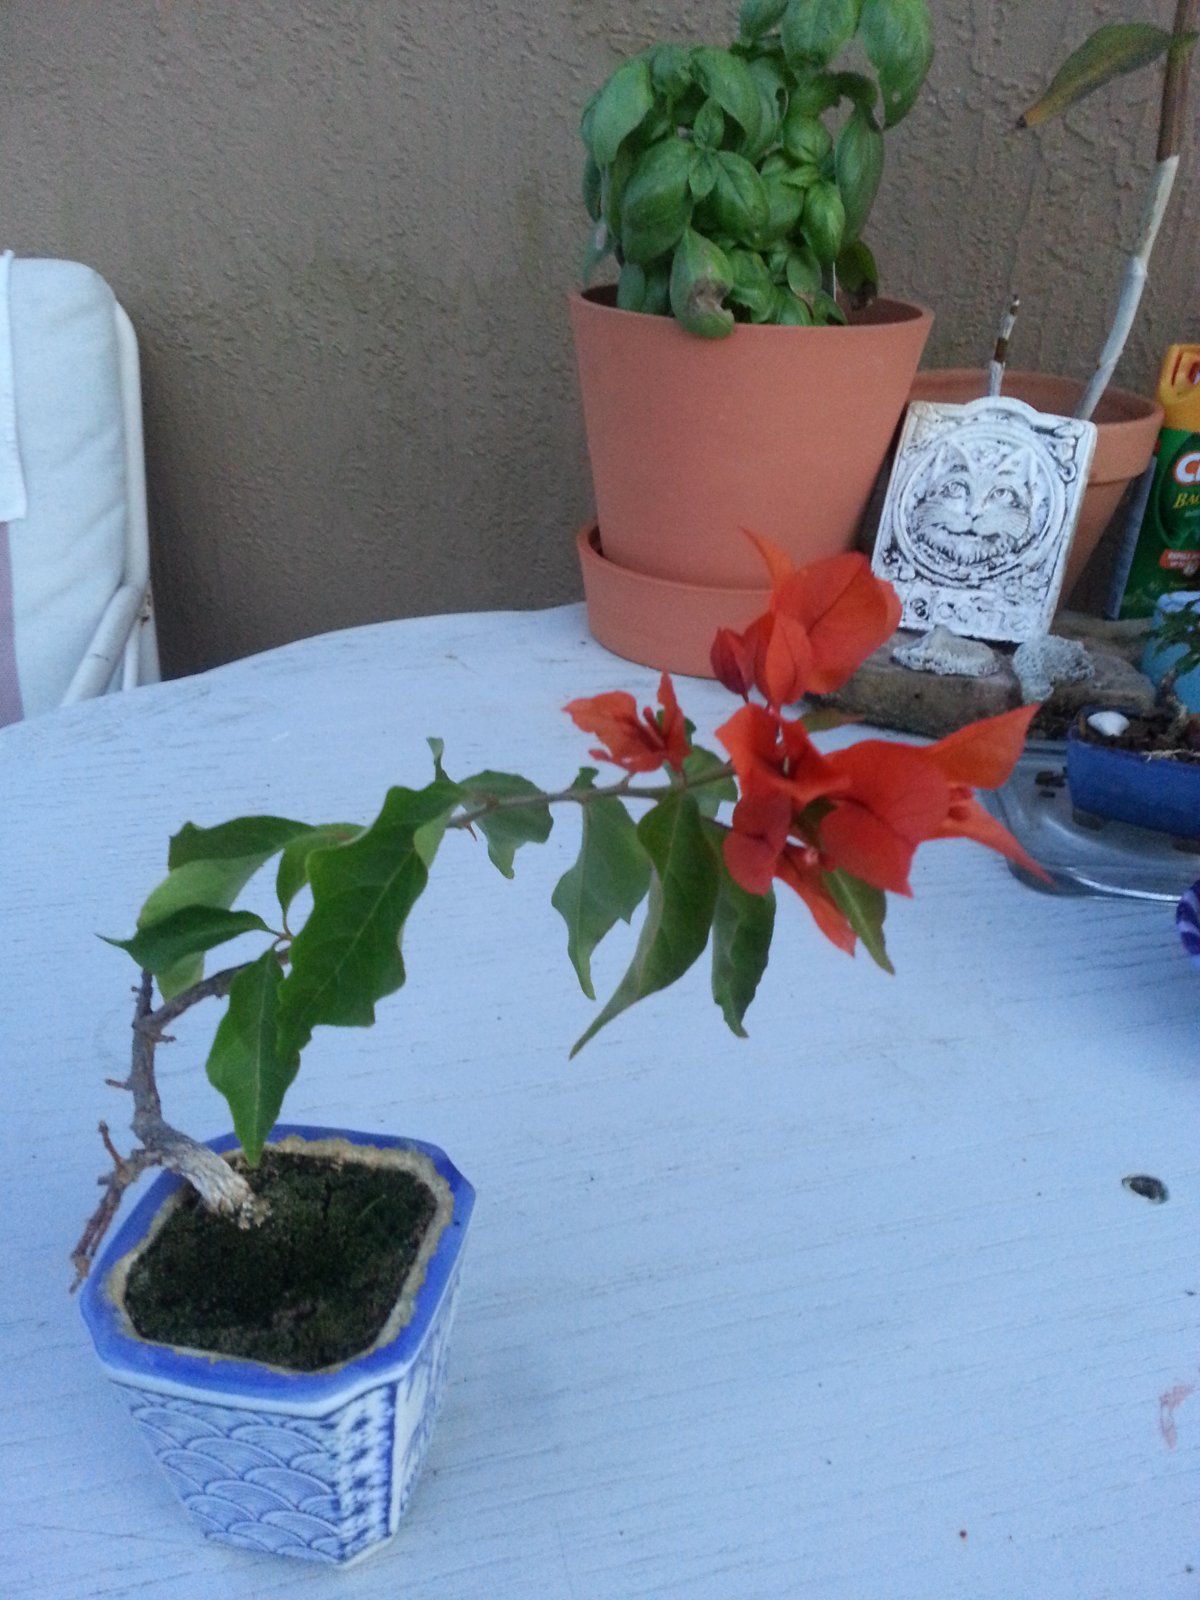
(858, 1310)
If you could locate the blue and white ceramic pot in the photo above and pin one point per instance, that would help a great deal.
(313, 1464)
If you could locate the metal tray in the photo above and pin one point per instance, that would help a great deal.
(1112, 859)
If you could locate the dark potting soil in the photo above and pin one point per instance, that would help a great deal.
(310, 1286)
(1159, 733)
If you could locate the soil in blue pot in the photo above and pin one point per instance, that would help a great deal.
(311, 1286)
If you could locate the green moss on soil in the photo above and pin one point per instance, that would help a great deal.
(311, 1286)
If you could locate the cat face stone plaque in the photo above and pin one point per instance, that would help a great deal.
(979, 514)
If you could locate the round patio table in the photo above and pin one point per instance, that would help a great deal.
(857, 1309)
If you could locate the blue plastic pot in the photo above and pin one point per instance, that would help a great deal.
(313, 1464)
(1158, 660)
(1128, 786)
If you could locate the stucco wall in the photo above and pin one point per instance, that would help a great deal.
(345, 229)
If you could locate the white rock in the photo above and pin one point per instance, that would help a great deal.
(1109, 723)
(1041, 663)
(947, 655)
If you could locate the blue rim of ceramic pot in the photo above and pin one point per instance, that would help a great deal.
(128, 1356)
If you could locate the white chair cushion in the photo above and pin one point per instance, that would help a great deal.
(67, 553)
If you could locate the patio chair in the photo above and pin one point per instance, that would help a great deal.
(76, 615)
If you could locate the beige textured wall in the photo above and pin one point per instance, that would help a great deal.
(345, 229)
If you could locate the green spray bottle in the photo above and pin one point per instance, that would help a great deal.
(1163, 550)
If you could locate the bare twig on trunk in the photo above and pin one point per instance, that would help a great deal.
(219, 1186)
(1170, 133)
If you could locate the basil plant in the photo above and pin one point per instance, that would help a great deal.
(734, 185)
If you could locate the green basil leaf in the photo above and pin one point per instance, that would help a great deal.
(771, 83)
(613, 181)
(620, 106)
(898, 38)
(683, 896)
(803, 271)
(857, 274)
(857, 88)
(858, 164)
(701, 277)
(670, 70)
(1109, 53)
(755, 293)
(657, 299)
(757, 17)
(813, 93)
(727, 79)
(806, 139)
(738, 200)
(657, 202)
(607, 883)
(791, 311)
(244, 1063)
(813, 31)
(591, 188)
(742, 927)
(785, 205)
(703, 177)
(824, 221)
(709, 127)
(825, 310)
(631, 287)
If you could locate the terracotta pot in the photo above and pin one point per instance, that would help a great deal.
(1128, 431)
(779, 429)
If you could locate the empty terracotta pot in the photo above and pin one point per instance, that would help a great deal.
(1127, 426)
(779, 429)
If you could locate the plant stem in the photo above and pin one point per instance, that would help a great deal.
(625, 790)
(219, 1186)
(1170, 133)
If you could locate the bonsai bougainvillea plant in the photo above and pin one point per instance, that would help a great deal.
(734, 184)
(714, 835)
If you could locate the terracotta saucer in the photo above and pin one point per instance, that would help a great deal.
(656, 621)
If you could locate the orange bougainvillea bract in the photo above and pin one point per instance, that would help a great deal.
(840, 829)
(637, 743)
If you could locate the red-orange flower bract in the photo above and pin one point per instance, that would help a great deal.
(824, 620)
(839, 829)
(637, 743)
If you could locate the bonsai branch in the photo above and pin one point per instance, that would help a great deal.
(626, 789)
(219, 1186)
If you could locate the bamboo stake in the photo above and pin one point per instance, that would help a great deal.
(1170, 133)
